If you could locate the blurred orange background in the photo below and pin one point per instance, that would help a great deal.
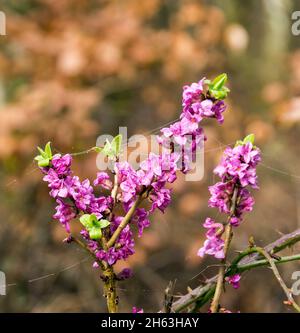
(71, 70)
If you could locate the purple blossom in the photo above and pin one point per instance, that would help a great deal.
(128, 180)
(213, 227)
(103, 180)
(213, 245)
(158, 168)
(235, 221)
(64, 213)
(95, 264)
(100, 206)
(160, 199)
(190, 99)
(218, 109)
(240, 162)
(137, 310)
(180, 130)
(220, 196)
(61, 164)
(196, 107)
(237, 170)
(59, 187)
(124, 246)
(82, 193)
(141, 218)
(234, 280)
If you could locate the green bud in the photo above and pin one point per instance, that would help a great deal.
(249, 138)
(45, 156)
(217, 87)
(93, 225)
(112, 149)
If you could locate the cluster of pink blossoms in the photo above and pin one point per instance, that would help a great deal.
(75, 197)
(237, 171)
(186, 133)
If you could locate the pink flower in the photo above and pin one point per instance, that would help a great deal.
(61, 164)
(237, 170)
(103, 180)
(64, 213)
(213, 246)
(141, 218)
(234, 280)
(137, 310)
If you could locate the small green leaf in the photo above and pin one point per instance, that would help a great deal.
(219, 94)
(112, 149)
(45, 156)
(104, 224)
(48, 150)
(107, 149)
(116, 144)
(93, 225)
(239, 143)
(39, 158)
(42, 153)
(95, 233)
(219, 81)
(217, 87)
(249, 138)
(43, 162)
(86, 220)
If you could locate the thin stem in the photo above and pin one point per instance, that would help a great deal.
(86, 248)
(108, 277)
(245, 264)
(234, 264)
(110, 290)
(201, 293)
(219, 287)
(228, 236)
(192, 297)
(115, 188)
(263, 262)
(286, 290)
(124, 222)
(169, 297)
(283, 242)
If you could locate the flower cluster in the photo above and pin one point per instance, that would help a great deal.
(74, 197)
(77, 199)
(196, 106)
(124, 246)
(213, 244)
(237, 171)
(186, 133)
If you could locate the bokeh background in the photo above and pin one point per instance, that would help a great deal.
(71, 70)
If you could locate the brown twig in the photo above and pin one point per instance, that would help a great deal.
(102, 264)
(115, 188)
(169, 297)
(124, 222)
(228, 236)
(286, 290)
(247, 263)
(220, 281)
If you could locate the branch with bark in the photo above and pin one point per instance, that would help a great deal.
(246, 260)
